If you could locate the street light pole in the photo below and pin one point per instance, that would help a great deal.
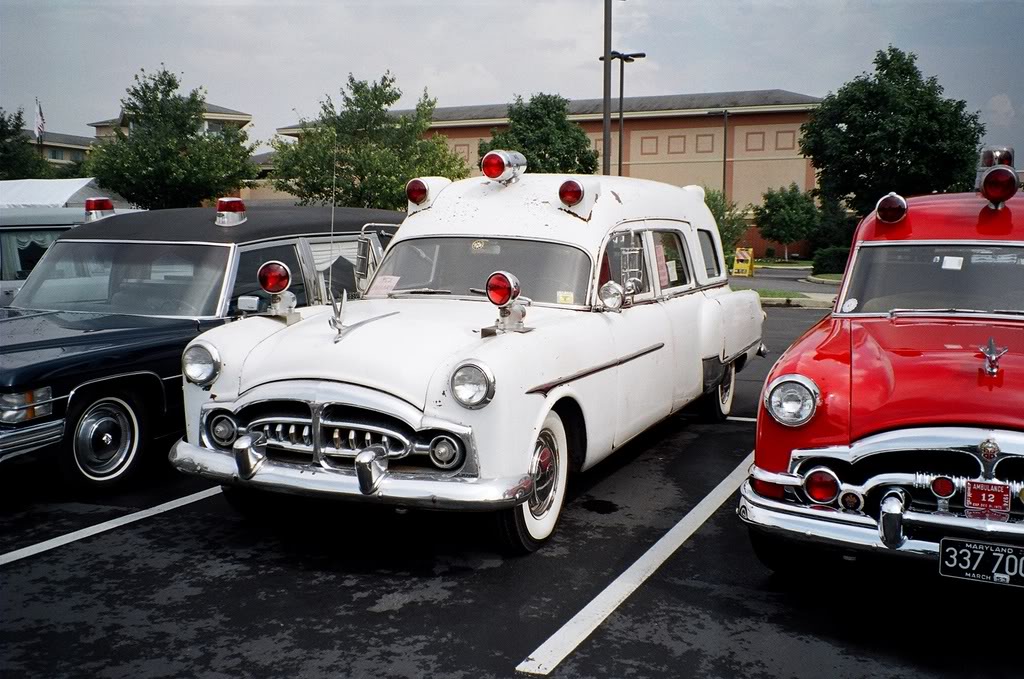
(606, 142)
(725, 144)
(623, 60)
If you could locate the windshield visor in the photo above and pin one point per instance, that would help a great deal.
(145, 279)
(549, 273)
(968, 277)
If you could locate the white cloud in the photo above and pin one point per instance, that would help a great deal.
(999, 111)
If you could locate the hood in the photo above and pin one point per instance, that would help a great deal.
(36, 344)
(393, 345)
(915, 372)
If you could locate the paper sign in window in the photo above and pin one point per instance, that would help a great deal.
(659, 255)
(383, 285)
(953, 263)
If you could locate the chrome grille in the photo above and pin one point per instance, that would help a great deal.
(346, 439)
(293, 434)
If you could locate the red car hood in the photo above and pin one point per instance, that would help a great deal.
(913, 372)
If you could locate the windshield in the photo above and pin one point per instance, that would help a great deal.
(964, 277)
(548, 272)
(148, 279)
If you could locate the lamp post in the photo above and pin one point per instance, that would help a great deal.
(725, 142)
(606, 122)
(623, 60)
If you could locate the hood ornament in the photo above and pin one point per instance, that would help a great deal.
(992, 355)
(339, 311)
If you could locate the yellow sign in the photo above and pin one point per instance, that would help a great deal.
(743, 264)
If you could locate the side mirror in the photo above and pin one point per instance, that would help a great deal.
(249, 303)
(362, 258)
(612, 296)
(633, 286)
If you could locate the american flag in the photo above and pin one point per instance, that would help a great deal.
(40, 120)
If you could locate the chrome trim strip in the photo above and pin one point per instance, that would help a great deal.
(148, 242)
(546, 388)
(26, 439)
(433, 490)
(163, 394)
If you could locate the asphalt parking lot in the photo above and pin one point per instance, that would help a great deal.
(350, 591)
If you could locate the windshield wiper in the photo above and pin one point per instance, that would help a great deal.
(948, 310)
(1014, 312)
(419, 291)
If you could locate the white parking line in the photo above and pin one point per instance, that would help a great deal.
(742, 419)
(53, 543)
(573, 633)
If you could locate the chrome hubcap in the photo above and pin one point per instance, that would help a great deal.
(544, 471)
(104, 439)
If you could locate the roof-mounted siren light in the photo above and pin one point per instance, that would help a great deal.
(230, 212)
(997, 179)
(422, 191)
(503, 166)
(891, 208)
(98, 208)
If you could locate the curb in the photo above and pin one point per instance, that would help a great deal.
(795, 302)
(822, 281)
(784, 268)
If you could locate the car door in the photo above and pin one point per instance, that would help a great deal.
(640, 335)
(677, 293)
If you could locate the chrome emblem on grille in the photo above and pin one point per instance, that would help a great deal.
(992, 355)
(989, 449)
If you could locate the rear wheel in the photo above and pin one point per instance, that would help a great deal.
(526, 527)
(104, 440)
(717, 404)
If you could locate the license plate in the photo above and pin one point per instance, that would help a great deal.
(982, 561)
(982, 495)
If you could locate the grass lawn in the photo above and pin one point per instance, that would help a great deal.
(830, 276)
(781, 294)
(794, 263)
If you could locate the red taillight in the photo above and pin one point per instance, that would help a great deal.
(766, 489)
(493, 165)
(570, 192)
(98, 204)
(999, 184)
(502, 288)
(274, 277)
(821, 486)
(230, 205)
(943, 487)
(416, 191)
(891, 208)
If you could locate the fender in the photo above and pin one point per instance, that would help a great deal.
(139, 373)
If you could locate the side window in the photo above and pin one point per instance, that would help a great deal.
(623, 260)
(710, 254)
(670, 260)
(20, 250)
(336, 261)
(249, 262)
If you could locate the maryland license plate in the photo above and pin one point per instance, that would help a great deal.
(982, 561)
(983, 495)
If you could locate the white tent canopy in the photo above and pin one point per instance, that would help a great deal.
(53, 193)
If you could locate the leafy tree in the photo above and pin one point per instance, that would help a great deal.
(19, 158)
(732, 223)
(167, 159)
(369, 152)
(786, 215)
(891, 130)
(541, 131)
(835, 226)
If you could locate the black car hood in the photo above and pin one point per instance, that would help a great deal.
(37, 346)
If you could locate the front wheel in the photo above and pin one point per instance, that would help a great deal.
(526, 527)
(104, 440)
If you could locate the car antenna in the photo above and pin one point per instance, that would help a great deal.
(334, 202)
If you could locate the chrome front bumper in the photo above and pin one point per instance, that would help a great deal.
(15, 442)
(367, 480)
(855, 531)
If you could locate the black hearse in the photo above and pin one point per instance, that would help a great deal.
(90, 347)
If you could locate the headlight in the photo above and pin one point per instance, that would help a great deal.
(200, 363)
(792, 399)
(472, 385)
(21, 407)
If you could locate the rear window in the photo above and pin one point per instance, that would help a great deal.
(710, 254)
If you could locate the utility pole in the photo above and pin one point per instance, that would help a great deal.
(606, 139)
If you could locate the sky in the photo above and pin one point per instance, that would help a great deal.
(277, 59)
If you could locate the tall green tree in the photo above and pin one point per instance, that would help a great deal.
(731, 220)
(787, 215)
(891, 130)
(19, 157)
(541, 130)
(360, 154)
(167, 159)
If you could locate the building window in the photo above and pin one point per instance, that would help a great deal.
(214, 126)
(78, 156)
(785, 141)
(755, 141)
(648, 146)
(462, 150)
(677, 144)
(56, 154)
(705, 143)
